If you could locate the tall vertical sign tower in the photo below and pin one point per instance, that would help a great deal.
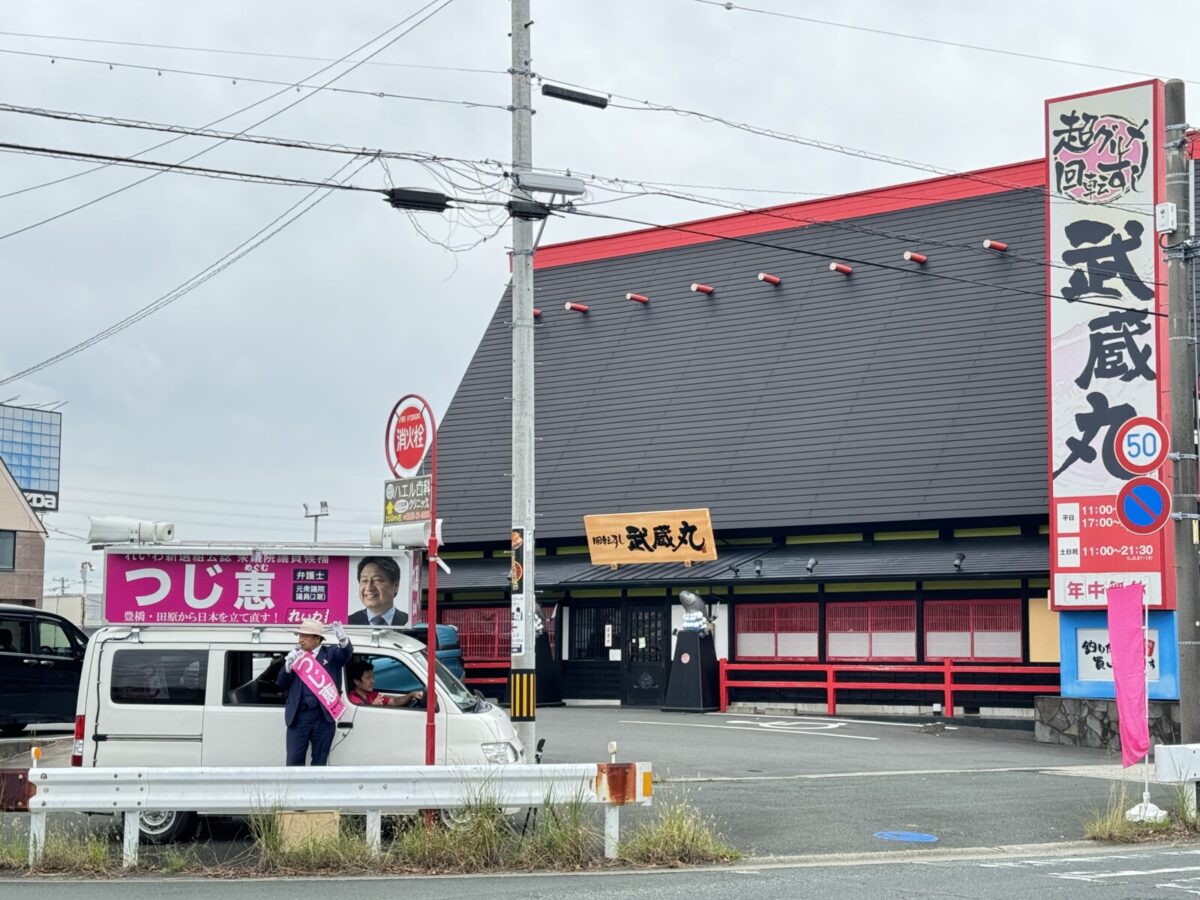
(1107, 366)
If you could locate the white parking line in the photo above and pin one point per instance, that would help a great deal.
(840, 719)
(760, 730)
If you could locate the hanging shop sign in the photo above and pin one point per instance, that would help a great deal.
(679, 535)
(1107, 344)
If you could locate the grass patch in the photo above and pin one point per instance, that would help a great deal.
(677, 836)
(87, 854)
(1110, 824)
(563, 837)
(14, 852)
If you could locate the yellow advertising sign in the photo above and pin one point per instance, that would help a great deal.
(677, 535)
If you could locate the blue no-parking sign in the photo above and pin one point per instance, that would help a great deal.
(1143, 505)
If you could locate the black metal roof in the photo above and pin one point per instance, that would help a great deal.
(897, 394)
(887, 560)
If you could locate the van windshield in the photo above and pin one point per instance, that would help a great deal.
(460, 695)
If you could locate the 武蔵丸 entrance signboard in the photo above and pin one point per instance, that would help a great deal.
(680, 535)
(1107, 345)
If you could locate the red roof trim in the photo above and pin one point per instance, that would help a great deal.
(928, 192)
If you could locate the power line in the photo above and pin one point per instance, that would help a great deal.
(815, 143)
(232, 501)
(254, 53)
(250, 79)
(256, 240)
(243, 137)
(929, 40)
(924, 273)
(278, 112)
(224, 174)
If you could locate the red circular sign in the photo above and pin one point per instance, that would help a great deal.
(1142, 444)
(1144, 505)
(409, 435)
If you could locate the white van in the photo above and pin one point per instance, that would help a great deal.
(195, 695)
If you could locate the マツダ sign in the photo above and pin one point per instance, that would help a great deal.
(678, 535)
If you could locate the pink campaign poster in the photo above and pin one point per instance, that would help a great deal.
(225, 589)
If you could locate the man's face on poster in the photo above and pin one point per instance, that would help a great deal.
(376, 591)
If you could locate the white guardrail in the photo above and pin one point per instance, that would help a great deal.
(373, 790)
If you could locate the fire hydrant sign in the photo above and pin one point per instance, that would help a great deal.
(408, 436)
(1107, 350)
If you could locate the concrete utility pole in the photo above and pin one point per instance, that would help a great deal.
(84, 568)
(523, 672)
(1183, 411)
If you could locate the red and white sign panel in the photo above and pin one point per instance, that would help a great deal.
(1142, 445)
(408, 436)
(1107, 353)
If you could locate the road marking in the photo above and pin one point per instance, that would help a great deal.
(785, 726)
(1124, 873)
(840, 719)
(850, 737)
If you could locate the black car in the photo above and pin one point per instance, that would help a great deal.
(41, 655)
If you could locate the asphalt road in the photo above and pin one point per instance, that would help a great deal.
(783, 786)
(1155, 872)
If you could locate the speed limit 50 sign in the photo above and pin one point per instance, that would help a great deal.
(1142, 444)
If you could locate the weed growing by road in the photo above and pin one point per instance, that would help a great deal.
(560, 837)
(678, 836)
(1110, 824)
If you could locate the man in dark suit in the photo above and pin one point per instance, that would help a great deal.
(378, 584)
(308, 721)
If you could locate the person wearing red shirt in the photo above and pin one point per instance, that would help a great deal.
(361, 675)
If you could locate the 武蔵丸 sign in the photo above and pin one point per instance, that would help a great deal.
(680, 535)
(1107, 347)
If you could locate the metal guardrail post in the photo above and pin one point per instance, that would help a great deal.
(612, 830)
(37, 837)
(133, 831)
(374, 832)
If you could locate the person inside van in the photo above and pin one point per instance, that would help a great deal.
(307, 715)
(378, 584)
(360, 675)
(6, 641)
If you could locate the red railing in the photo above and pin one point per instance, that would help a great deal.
(947, 686)
(486, 664)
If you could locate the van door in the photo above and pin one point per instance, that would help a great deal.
(387, 735)
(243, 722)
(150, 708)
(19, 673)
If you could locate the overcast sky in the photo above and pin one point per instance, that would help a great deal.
(269, 385)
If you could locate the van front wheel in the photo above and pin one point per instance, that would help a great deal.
(167, 826)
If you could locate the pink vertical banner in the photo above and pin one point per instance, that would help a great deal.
(1128, 648)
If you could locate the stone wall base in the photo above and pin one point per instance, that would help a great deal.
(1089, 722)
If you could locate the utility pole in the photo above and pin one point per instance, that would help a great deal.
(84, 568)
(1182, 334)
(522, 683)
